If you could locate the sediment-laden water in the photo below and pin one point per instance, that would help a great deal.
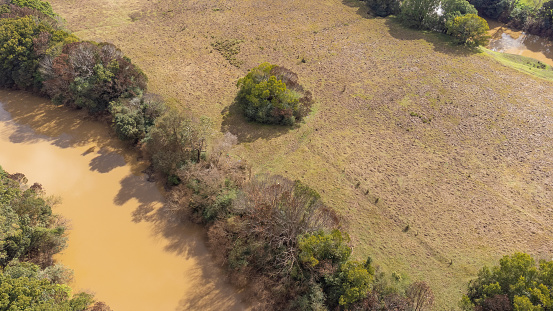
(123, 246)
(510, 41)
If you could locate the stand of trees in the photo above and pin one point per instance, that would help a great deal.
(276, 236)
(457, 18)
(535, 17)
(29, 236)
(271, 94)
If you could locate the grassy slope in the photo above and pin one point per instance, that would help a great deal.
(473, 184)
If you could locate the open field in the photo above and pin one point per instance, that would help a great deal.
(407, 129)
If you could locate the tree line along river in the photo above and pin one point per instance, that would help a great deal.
(123, 246)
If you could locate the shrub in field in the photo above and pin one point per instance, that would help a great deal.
(350, 283)
(470, 29)
(271, 94)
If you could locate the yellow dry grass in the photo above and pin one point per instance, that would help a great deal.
(473, 184)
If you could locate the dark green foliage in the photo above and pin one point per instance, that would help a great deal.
(452, 9)
(41, 6)
(350, 283)
(23, 41)
(518, 280)
(491, 8)
(470, 29)
(419, 14)
(384, 8)
(133, 118)
(319, 246)
(28, 229)
(32, 293)
(271, 94)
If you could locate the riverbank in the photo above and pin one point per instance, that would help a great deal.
(517, 42)
(122, 244)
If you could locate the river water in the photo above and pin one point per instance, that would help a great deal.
(123, 246)
(510, 41)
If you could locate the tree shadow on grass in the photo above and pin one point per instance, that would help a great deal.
(442, 43)
(362, 8)
(246, 131)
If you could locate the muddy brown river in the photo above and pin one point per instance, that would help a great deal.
(510, 41)
(123, 246)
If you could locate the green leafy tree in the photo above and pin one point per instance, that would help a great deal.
(133, 118)
(90, 75)
(350, 284)
(31, 293)
(28, 229)
(320, 246)
(41, 6)
(23, 42)
(452, 9)
(265, 95)
(491, 8)
(470, 29)
(517, 278)
(419, 14)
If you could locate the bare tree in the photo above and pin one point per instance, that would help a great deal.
(278, 210)
(420, 295)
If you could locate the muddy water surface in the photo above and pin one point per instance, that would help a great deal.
(122, 245)
(510, 41)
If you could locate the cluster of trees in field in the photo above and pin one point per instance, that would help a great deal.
(29, 236)
(518, 283)
(271, 94)
(457, 18)
(38, 54)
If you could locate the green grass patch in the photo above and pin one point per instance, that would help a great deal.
(523, 63)
(229, 48)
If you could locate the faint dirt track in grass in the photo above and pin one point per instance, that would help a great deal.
(473, 183)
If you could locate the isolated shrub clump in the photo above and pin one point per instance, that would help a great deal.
(271, 94)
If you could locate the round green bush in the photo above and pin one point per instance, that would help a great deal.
(271, 94)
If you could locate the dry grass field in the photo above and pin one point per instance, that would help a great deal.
(439, 157)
